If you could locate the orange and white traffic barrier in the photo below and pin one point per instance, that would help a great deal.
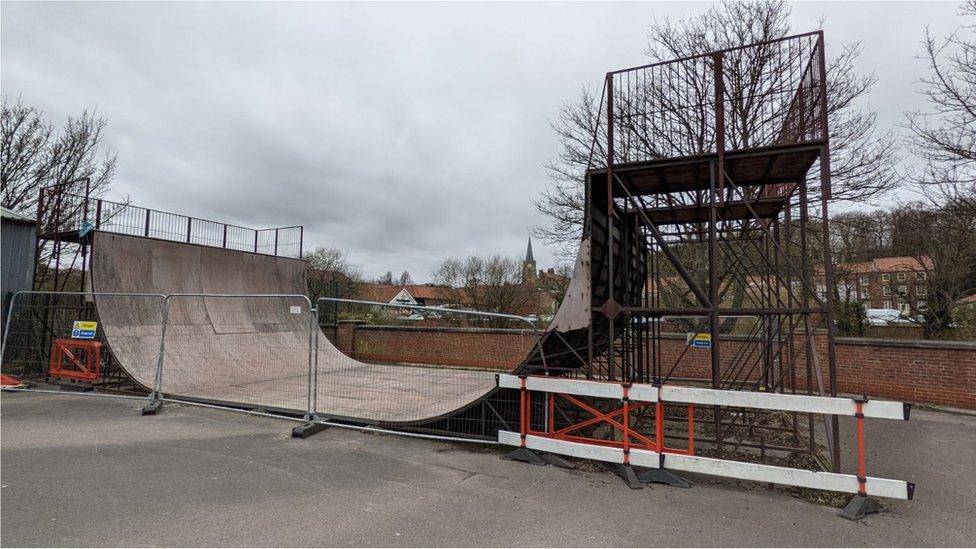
(639, 449)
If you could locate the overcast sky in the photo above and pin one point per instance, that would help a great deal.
(402, 133)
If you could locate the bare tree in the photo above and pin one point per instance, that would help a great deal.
(943, 243)
(860, 236)
(387, 279)
(34, 155)
(485, 283)
(404, 279)
(944, 137)
(862, 157)
(330, 274)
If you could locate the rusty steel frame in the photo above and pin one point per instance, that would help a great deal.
(776, 248)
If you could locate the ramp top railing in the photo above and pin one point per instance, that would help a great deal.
(67, 216)
(770, 94)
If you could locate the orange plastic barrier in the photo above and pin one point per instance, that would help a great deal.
(76, 359)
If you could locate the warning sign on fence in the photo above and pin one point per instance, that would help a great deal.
(83, 329)
(703, 341)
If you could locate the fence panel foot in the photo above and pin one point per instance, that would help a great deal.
(663, 476)
(75, 387)
(308, 429)
(152, 408)
(627, 473)
(524, 455)
(859, 507)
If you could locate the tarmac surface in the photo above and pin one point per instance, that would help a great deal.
(84, 471)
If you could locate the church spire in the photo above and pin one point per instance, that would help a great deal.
(528, 266)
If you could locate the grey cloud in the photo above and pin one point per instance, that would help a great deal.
(403, 133)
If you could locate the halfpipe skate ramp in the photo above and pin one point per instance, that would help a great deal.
(252, 351)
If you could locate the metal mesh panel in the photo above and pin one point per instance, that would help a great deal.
(418, 368)
(249, 350)
(39, 338)
(669, 109)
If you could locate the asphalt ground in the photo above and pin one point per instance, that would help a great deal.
(85, 471)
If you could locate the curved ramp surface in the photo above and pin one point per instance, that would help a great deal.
(252, 351)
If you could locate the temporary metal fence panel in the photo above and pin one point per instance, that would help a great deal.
(83, 340)
(433, 374)
(253, 351)
(415, 368)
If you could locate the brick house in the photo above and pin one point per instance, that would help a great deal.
(898, 283)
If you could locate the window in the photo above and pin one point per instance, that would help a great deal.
(903, 290)
(887, 304)
(901, 277)
(922, 304)
(920, 275)
(886, 277)
(921, 290)
(887, 291)
(865, 280)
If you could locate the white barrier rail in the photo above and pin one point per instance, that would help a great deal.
(557, 442)
(881, 409)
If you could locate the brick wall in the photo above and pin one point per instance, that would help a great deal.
(497, 349)
(894, 332)
(933, 372)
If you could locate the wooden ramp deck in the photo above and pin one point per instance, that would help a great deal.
(251, 351)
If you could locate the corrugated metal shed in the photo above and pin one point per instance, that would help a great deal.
(16, 256)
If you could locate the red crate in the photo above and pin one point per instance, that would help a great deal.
(76, 359)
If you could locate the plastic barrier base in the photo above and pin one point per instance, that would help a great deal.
(524, 455)
(627, 473)
(663, 476)
(859, 507)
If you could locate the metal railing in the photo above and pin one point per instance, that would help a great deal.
(62, 213)
(760, 95)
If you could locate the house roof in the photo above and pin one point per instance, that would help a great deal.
(386, 292)
(968, 300)
(421, 291)
(380, 292)
(888, 265)
(549, 278)
(11, 215)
